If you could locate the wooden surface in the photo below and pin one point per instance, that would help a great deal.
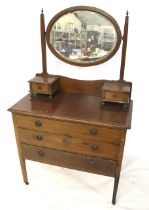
(72, 129)
(22, 160)
(124, 47)
(44, 80)
(68, 143)
(69, 160)
(76, 108)
(116, 91)
(39, 88)
(118, 86)
(116, 96)
(85, 87)
(44, 85)
(43, 44)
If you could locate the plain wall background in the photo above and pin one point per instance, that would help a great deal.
(20, 60)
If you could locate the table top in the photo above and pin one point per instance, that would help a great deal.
(75, 108)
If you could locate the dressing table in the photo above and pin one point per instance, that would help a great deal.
(63, 121)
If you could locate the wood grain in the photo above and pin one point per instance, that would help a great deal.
(72, 129)
(69, 160)
(68, 128)
(82, 145)
(21, 158)
(75, 108)
(115, 96)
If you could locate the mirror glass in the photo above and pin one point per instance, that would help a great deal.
(83, 37)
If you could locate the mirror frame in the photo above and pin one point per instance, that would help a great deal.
(91, 9)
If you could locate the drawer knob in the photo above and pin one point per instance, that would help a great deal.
(41, 153)
(39, 87)
(66, 141)
(94, 147)
(92, 162)
(38, 123)
(39, 137)
(93, 132)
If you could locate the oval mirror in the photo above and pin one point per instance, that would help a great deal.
(83, 36)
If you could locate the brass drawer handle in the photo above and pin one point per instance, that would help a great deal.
(93, 132)
(41, 153)
(39, 137)
(94, 147)
(38, 123)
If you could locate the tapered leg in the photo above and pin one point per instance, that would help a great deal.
(116, 182)
(118, 167)
(23, 168)
(22, 160)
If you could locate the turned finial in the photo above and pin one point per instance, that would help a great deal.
(42, 11)
(127, 13)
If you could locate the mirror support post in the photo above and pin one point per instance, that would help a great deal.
(123, 57)
(43, 44)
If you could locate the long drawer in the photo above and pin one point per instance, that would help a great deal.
(67, 128)
(82, 145)
(69, 160)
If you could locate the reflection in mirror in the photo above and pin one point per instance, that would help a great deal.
(83, 36)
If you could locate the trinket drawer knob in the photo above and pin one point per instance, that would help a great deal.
(39, 87)
(114, 96)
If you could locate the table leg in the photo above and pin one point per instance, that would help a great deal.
(118, 167)
(21, 158)
(116, 182)
(24, 172)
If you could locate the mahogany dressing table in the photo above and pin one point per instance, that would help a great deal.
(63, 121)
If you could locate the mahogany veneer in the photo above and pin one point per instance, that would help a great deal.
(117, 92)
(72, 129)
(44, 85)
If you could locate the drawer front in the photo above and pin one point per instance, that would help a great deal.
(67, 128)
(40, 88)
(116, 96)
(69, 160)
(67, 143)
